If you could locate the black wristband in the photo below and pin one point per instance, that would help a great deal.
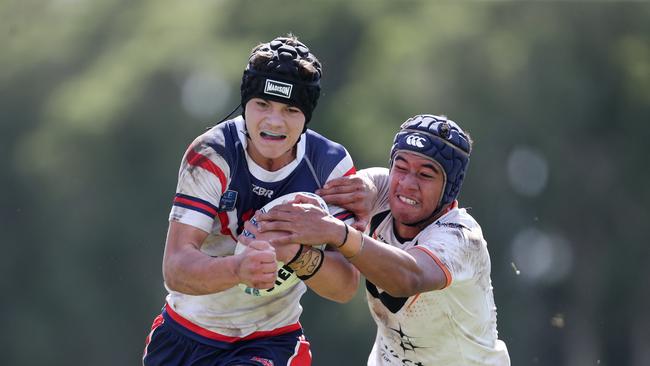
(295, 257)
(322, 258)
(345, 238)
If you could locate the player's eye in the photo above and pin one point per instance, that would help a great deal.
(260, 103)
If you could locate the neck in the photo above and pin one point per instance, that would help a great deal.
(273, 164)
(411, 229)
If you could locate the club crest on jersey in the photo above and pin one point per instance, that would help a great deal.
(227, 201)
(278, 88)
(261, 191)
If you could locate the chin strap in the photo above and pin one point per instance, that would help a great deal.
(230, 114)
(225, 118)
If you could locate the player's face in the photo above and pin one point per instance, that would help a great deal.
(274, 128)
(416, 185)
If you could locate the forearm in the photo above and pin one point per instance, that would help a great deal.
(195, 273)
(336, 280)
(394, 270)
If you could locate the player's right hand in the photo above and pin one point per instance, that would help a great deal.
(283, 252)
(257, 266)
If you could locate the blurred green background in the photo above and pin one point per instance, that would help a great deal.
(99, 99)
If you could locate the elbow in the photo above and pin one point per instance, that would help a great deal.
(404, 288)
(400, 292)
(344, 300)
(346, 297)
(343, 297)
(350, 288)
(176, 284)
(172, 278)
(344, 292)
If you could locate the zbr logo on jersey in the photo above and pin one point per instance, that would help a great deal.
(278, 88)
(416, 140)
(261, 191)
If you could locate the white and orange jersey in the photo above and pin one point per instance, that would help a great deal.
(219, 188)
(453, 326)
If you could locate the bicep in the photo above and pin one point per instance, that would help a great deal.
(182, 237)
(433, 274)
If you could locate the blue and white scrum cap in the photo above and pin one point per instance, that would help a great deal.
(441, 140)
(277, 71)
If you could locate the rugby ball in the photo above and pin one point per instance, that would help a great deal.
(286, 277)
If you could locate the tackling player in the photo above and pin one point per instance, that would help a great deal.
(425, 259)
(227, 174)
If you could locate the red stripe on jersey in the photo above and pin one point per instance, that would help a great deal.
(442, 266)
(200, 205)
(224, 338)
(223, 219)
(302, 355)
(350, 172)
(196, 159)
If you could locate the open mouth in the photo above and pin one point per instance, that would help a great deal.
(408, 201)
(272, 136)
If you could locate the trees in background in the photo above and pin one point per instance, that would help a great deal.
(100, 100)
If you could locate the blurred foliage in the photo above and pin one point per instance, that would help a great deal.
(96, 108)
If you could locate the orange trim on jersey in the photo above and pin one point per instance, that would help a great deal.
(444, 268)
(415, 298)
(350, 172)
(224, 338)
(196, 159)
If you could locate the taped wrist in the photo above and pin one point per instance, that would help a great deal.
(308, 262)
(298, 253)
(345, 238)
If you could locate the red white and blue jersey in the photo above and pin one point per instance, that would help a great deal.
(219, 188)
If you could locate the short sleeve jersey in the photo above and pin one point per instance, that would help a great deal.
(452, 326)
(219, 188)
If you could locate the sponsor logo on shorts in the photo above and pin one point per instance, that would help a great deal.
(278, 88)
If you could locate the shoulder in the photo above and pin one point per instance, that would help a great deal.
(457, 225)
(328, 158)
(222, 134)
(321, 144)
(456, 239)
(218, 141)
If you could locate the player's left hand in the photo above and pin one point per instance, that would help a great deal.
(354, 193)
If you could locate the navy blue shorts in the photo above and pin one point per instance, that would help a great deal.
(175, 341)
